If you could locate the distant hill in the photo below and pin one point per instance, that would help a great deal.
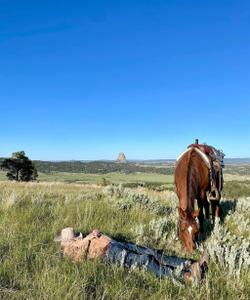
(160, 166)
(154, 161)
(237, 161)
(98, 167)
(229, 161)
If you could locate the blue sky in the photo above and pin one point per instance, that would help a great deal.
(88, 79)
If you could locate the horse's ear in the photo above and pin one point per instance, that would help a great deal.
(182, 213)
(195, 213)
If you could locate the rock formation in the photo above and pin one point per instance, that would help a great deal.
(121, 158)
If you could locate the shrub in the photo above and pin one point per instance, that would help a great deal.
(231, 251)
(155, 232)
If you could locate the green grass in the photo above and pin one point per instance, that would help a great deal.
(235, 189)
(2, 175)
(111, 177)
(96, 178)
(32, 266)
(117, 177)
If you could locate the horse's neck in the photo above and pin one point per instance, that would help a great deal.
(191, 169)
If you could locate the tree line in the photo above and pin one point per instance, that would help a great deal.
(20, 168)
(99, 167)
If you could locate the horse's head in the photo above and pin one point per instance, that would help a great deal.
(188, 229)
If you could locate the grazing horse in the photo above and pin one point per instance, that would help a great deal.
(192, 181)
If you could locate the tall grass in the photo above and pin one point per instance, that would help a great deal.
(32, 267)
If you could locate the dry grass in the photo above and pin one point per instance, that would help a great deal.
(32, 266)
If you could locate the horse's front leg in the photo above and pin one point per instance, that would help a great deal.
(205, 203)
(216, 210)
(206, 206)
(201, 216)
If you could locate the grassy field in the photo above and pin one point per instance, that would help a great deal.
(231, 173)
(32, 266)
(97, 178)
(2, 175)
(110, 177)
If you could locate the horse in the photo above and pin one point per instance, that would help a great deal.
(192, 182)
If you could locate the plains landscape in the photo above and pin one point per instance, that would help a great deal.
(128, 205)
(117, 115)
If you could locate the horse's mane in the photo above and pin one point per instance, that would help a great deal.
(190, 184)
(190, 206)
(189, 171)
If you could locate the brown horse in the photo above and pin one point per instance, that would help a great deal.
(192, 181)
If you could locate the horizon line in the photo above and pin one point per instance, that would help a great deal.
(129, 160)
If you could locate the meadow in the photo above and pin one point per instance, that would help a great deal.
(126, 207)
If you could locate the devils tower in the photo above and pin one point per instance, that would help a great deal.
(121, 158)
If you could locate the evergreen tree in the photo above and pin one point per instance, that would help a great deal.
(19, 167)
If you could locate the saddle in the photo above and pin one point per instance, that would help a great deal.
(217, 164)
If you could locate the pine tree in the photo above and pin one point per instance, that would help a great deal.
(19, 167)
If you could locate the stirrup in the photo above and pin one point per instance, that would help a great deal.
(214, 195)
